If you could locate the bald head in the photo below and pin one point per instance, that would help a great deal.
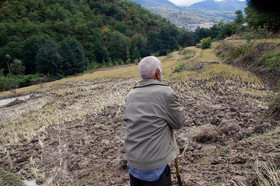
(150, 68)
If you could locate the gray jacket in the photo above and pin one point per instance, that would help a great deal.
(152, 110)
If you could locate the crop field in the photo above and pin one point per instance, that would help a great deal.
(71, 131)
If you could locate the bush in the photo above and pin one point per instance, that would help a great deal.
(179, 67)
(8, 83)
(206, 43)
(272, 60)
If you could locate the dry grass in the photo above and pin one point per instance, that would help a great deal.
(76, 97)
(228, 72)
(268, 174)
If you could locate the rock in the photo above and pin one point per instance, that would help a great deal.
(215, 121)
(262, 127)
(205, 133)
(106, 142)
(240, 180)
(39, 180)
(123, 164)
(233, 109)
(230, 128)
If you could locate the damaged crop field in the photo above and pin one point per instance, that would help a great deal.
(71, 131)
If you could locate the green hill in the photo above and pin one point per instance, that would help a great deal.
(65, 37)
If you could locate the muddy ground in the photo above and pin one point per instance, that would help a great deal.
(224, 138)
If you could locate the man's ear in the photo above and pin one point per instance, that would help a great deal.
(158, 74)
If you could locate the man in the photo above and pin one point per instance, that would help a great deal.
(152, 111)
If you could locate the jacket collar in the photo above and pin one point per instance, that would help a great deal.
(148, 82)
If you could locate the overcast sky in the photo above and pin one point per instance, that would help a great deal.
(188, 2)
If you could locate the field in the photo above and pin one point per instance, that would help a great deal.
(71, 131)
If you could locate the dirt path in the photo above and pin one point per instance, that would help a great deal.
(74, 133)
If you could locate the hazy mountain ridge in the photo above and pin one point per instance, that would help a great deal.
(226, 5)
(203, 14)
(156, 3)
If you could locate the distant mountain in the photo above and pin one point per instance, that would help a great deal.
(225, 5)
(203, 14)
(156, 3)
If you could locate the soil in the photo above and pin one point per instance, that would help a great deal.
(90, 150)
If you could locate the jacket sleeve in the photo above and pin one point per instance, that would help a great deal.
(175, 115)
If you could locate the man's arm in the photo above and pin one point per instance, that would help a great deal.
(175, 115)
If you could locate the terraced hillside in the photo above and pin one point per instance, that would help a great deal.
(71, 131)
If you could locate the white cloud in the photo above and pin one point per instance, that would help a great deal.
(189, 2)
(185, 2)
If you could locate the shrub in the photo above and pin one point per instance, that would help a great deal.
(272, 59)
(206, 43)
(8, 83)
(179, 67)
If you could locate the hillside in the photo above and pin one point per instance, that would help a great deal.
(225, 5)
(156, 3)
(71, 131)
(63, 38)
(192, 18)
(202, 14)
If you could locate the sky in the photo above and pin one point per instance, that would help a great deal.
(188, 2)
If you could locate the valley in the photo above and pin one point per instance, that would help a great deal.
(71, 131)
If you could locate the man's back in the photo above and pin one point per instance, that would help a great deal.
(152, 110)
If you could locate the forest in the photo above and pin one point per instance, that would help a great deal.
(46, 39)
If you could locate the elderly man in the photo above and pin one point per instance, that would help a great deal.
(152, 111)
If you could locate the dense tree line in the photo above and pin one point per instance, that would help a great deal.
(257, 21)
(222, 30)
(65, 37)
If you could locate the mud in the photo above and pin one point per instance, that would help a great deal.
(91, 151)
(223, 137)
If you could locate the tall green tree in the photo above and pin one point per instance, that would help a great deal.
(81, 61)
(48, 59)
(239, 17)
(154, 42)
(100, 53)
(257, 19)
(135, 54)
(67, 58)
(118, 46)
(29, 49)
(17, 67)
(186, 38)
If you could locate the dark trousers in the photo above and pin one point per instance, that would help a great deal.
(164, 180)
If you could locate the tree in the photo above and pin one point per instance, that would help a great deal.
(17, 68)
(257, 19)
(139, 41)
(29, 50)
(118, 46)
(81, 61)
(135, 54)
(239, 17)
(100, 53)
(186, 39)
(154, 43)
(227, 30)
(3, 35)
(48, 59)
(206, 43)
(67, 58)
